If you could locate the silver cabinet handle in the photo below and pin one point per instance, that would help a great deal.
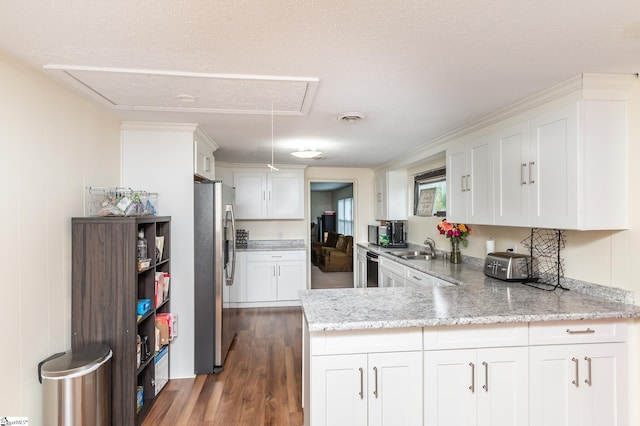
(264, 195)
(274, 270)
(468, 184)
(472, 388)
(587, 331)
(531, 164)
(462, 183)
(576, 381)
(416, 278)
(278, 270)
(588, 379)
(375, 376)
(523, 181)
(486, 376)
(361, 393)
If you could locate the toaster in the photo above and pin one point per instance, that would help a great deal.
(509, 266)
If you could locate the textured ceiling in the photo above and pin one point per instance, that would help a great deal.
(415, 68)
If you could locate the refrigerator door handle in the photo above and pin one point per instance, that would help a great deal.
(231, 279)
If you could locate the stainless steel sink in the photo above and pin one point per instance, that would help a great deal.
(410, 255)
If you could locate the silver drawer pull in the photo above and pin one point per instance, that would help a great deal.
(576, 381)
(587, 331)
(588, 379)
(486, 376)
(361, 393)
(472, 388)
(416, 278)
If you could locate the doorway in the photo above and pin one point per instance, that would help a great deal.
(332, 211)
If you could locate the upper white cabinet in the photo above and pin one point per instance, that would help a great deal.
(203, 159)
(559, 164)
(564, 169)
(269, 195)
(470, 182)
(391, 195)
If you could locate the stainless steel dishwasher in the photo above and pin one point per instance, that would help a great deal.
(372, 269)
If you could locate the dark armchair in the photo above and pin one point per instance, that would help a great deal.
(318, 246)
(338, 258)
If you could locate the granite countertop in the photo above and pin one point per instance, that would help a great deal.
(271, 245)
(475, 299)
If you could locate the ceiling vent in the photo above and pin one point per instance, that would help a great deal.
(351, 117)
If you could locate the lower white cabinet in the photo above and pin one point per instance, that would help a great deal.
(578, 373)
(269, 278)
(367, 389)
(485, 386)
(390, 273)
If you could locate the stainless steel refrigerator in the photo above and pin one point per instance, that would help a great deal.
(214, 270)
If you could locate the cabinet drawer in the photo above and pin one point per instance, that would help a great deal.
(415, 277)
(475, 336)
(275, 256)
(563, 332)
(366, 341)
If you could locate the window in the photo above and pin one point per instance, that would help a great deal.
(430, 193)
(345, 216)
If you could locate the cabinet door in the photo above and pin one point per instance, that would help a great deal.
(502, 386)
(291, 277)
(286, 196)
(203, 160)
(238, 291)
(362, 269)
(554, 397)
(338, 390)
(603, 385)
(261, 281)
(380, 184)
(480, 181)
(450, 387)
(390, 278)
(511, 176)
(395, 388)
(457, 184)
(553, 168)
(251, 195)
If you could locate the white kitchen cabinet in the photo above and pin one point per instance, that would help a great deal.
(391, 195)
(470, 182)
(476, 387)
(476, 375)
(364, 377)
(238, 291)
(273, 278)
(269, 195)
(574, 380)
(390, 273)
(203, 156)
(367, 389)
(361, 279)
(564, 169)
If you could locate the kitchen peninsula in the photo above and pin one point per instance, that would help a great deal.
(500, 350)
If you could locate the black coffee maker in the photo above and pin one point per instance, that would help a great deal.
(395, 233)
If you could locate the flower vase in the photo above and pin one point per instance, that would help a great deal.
(455, 256)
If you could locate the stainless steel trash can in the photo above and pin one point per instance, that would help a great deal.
(77, 387)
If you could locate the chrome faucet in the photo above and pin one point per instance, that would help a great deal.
(432, 246)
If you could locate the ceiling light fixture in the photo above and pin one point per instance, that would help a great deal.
(351, 117)
(307, 153)
(271, 166)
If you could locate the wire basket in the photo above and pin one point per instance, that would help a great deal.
(116, 201)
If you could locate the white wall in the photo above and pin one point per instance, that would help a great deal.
(167, 150)
(52, 144)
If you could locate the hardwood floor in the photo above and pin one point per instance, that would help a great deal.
(260, 385)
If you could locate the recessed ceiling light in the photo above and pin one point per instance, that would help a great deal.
(306, 153)
(351, 117)
(186, 98)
